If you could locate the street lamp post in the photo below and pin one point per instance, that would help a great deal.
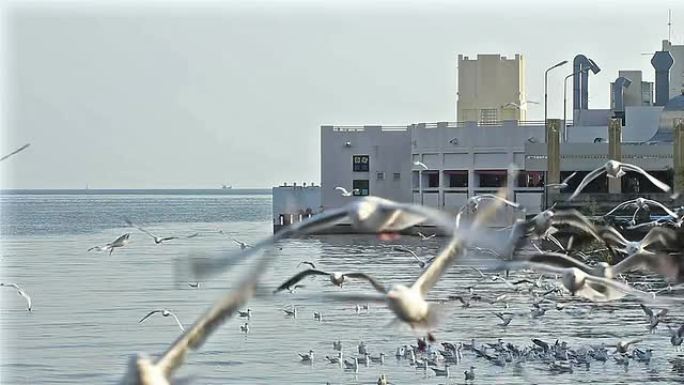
(546, 93)
(420, 177)
(565, 102)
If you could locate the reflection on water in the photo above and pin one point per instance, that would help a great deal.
(87, 305)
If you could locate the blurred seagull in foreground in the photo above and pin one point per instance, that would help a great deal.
(21, 292)
(121, 241)
(615, 169)
(165, 313)
(367, 215)
(424, 237)
(143, 370)
(344, 191)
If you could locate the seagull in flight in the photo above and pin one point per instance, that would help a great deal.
(336, 279)
(403, 249)
(562, 185)
(143, 370)
(242, 245)
(121, 241)
(615, 169)
(424, 237)
(313, 266)
(21, 292)
(157, 240)
(165, 313)
(344, 191)
(20, 149)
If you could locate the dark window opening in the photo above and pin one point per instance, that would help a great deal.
(360, 187)
(493, 178)
(530, 179)
(396, 176)
(634, 182)
(457, 178)
(432, 179)
(361, 163)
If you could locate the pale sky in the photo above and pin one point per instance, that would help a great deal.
(190, 95)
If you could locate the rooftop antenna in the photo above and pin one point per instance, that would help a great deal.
(669, 25)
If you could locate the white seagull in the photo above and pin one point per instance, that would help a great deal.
(424, 237)
(344, 191)
(143, 370)
(615, 169)
(121, 241)
(336, 279)
(403, 249)
(21, 292)
(165, 313)
(157, 240)
(562, 185)
(242, 245)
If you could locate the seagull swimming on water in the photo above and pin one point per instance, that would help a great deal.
(21, 292)
(121, 241)
(165, 313)
(143, 370)
(615, 169)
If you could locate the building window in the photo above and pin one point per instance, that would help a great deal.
(361, 163)
(488, 115)
(530, 179)
(457, 178)
(396, 176)
(380, 176)
(492, 178)
(360, 187)
(432, 179)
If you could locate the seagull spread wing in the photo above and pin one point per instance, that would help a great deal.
(376, 284)
(298, 277)
(651, 178)
(560, 260)
(587, 179)
(20, 149)
(149, 315)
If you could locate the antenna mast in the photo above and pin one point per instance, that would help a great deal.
(669, 25)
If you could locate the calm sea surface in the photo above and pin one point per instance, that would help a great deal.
(86, 305)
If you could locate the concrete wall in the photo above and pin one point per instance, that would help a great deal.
(640, 125)
(491, 82)
(295, 201)
(389, 149)
(589, 156)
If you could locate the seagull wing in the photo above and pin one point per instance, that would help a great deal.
(342, 190)
(20, 149)
(647, 310)
(202, 267)
(298, 277)
(566, 180)
(26, 297)
(669, 265)
(442, 261)
(376, 284)
(617, 289)
(167, 239)
(559, 260)
(587, 179)
(669, 212)
(619, 206)
(407, 250)
(130, 223)
(500, 199)
(192, 235)
(149, 315)
(180, 325)
(659, 234)
(610, 235)
(223, 309)
(650, 177)
(120, 240)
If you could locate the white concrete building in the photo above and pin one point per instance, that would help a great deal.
(366, 160)
(491, 88)
(293, 203)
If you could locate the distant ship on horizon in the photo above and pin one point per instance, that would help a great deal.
(226, 187)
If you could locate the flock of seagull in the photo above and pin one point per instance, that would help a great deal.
(529, 245)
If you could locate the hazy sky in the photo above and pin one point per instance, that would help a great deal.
(183, 95)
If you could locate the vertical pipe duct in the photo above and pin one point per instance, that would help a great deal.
(615, 150)
(619, 92)
(661, 62)
(580, 82)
